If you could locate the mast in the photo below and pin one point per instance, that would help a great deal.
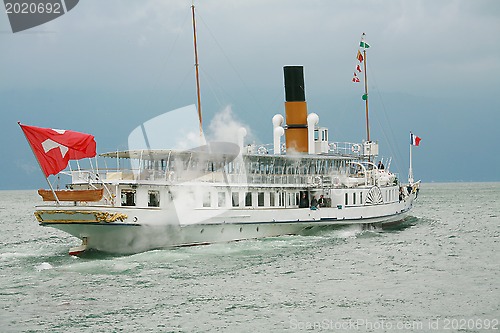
(366, 98)
(196, 65)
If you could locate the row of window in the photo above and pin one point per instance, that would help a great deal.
(354, 197)
(246, 199)
(238, 199)
(129, 198)
(357, 198)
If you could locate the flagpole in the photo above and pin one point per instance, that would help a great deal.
(366, 98)
(51, 188)
(46, 178)
(410, 171)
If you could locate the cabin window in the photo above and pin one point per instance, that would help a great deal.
(248, 199)
(346, 199)
(281, 199)
(361, 197)
(221, 199)
(354, 198)
(206, 199)
(236, 199)
(260, 199)
(153, 198)
(271, 199)
(128, 197)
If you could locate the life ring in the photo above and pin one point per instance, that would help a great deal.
(336, 181)
(355, 148)
(333, 146)
(317, 181)
(262, 150)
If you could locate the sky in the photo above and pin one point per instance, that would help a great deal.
(105, 67)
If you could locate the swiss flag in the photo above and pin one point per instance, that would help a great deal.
(54, 148)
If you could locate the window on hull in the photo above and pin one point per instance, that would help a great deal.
(153, 199)
(221, 199)
(281, 199)
(206, 200)
(260, 199)
(248, 199)
(236, 199)
(128, 197)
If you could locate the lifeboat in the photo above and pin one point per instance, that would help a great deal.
(72, 195)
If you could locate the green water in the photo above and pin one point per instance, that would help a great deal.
(438, 272)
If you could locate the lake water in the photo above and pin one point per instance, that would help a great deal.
(440, 271)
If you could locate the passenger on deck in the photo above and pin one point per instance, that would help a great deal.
(314, 203)
(303, 201)
(322, 201)
(380, 165)
(409, 188)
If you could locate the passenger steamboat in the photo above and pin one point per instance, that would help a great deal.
(230, 191)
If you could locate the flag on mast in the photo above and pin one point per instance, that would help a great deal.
(54, 148)
(414, 140)
(359, 56)
(363, 44)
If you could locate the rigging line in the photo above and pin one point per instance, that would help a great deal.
(163, 66)
(229, 61)
(393, 148)
(209, 80)
(220, 92)
(181, 84)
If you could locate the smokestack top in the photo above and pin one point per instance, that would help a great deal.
(294, 84)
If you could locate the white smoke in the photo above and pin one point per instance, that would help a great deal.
(225, 127)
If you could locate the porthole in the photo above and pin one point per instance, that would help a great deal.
(201, 231)
(257, 229)
(241, 229)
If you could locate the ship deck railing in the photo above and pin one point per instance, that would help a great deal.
(162, 177)
(336, 148)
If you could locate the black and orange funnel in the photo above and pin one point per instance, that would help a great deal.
(295, 110)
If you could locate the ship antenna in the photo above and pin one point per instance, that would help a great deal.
(196, 66)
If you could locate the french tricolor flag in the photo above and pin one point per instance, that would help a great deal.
(414, 140)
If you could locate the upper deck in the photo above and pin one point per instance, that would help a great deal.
(225, 163)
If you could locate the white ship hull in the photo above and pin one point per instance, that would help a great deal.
(146, 229)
